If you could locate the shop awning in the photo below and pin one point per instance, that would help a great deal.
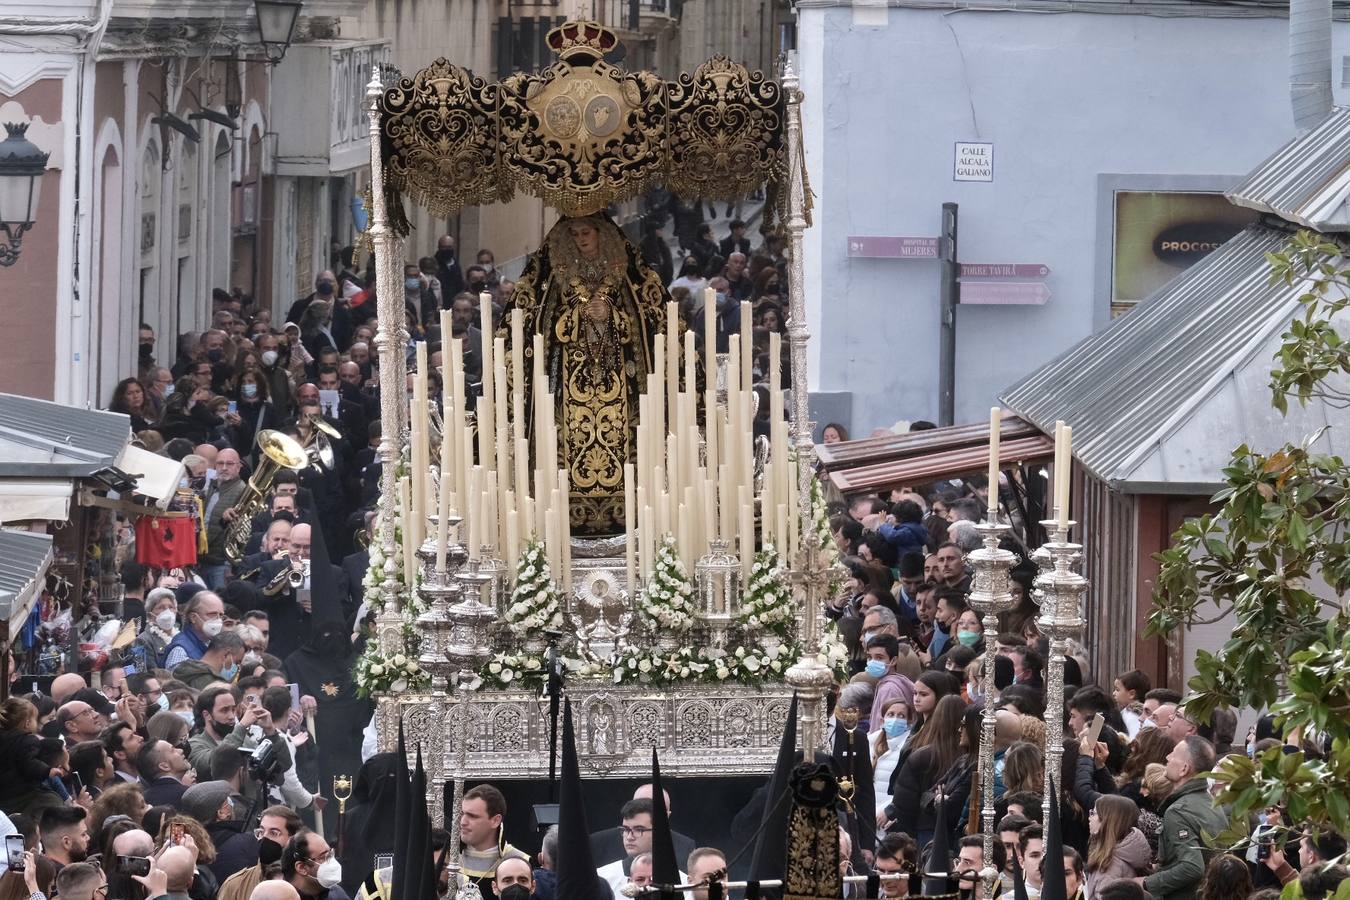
(156, 476)
(1159, 398)
(24, 558)
(891, 461)
(33, 499)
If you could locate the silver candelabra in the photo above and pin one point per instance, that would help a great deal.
(1060, 593)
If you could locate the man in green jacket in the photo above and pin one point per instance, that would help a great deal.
(1188, 815)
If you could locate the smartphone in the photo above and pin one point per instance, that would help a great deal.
(176, 833)
(14, 852)
(1094, 728)
(133, 865)
(295, 695)
(233, 407)
(79, 782)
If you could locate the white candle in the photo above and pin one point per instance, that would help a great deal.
(685, 538)
(551, 542)
(565, 528)
(629, 525)
(512, 533)
(644, 526)
(672, 379)
(1057, 488)
(747, 532)
(1063, 523)
(518, 375)
(995, 425)
(503, 435)
(747, 348)
(775, 361)
(409, 558)
(657, 410)
(487, 419)
(443, 510)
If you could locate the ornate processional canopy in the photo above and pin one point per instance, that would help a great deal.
(582, 134)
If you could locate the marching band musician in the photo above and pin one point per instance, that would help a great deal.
(284, 593)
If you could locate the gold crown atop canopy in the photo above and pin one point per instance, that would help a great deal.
(582, 41)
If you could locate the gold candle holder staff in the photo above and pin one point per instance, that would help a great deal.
(342, 792)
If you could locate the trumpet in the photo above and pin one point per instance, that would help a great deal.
(298, 575)
(279, 581)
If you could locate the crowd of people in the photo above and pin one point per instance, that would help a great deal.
(196, 760)
(1138, 813)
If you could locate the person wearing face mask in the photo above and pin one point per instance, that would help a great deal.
(161, 627)
(255, 412)
(220, 662)
(310, 866)
(276, 827)
(273, 357)
(883, 650)
(448, 271)
(886, 742)
(203, 618)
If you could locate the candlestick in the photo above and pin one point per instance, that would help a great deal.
(629, 526)
(1062, 519)
(995, 426)
(443, 507)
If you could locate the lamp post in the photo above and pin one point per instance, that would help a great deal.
(21, 167)
(276, 25)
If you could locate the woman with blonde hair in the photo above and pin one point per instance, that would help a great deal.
(1023, 768)
(1154, 789)
(1116, 848)
(887, 741)
(1033, 731)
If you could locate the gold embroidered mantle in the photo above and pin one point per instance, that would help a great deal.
(582, 134)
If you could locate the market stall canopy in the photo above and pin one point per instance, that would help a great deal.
(582, 134)
(24, 558)
(897, 460)
(47, 448)
(1158, 398)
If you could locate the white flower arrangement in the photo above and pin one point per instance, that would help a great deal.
(666, 604)
(767, 604)
(829, 551)
(378, 672)
(535, 604)
(635, 664)
(831, 651)
(515, 670)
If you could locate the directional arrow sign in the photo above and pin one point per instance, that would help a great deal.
(1004, 270)
(1007, 293)
(868, 247)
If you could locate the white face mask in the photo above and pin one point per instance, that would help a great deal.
(165, 619)
(251, 658)
(269, 357)
(330, 873)
(212, 627)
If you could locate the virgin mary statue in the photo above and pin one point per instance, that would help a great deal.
(598, 307)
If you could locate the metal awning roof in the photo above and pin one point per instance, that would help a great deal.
(41, 439)
(896, 460)
(1159, 398)
(24, 558)
(1307, 180)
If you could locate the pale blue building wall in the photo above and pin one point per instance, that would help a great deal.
(1073, 103)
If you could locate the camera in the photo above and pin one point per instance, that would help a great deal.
(264, 766)
(133, 865)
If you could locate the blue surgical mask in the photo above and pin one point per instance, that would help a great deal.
(876, 668)
(228, 673)
(968, 638)
(248, 391)
(412, 284)
(163, 702)
(187, 716)
(895, 727)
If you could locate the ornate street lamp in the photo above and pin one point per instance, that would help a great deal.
(21, 168)
(276, 25)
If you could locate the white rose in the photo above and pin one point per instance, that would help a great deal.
(377, 670)
(723, 673)
(752, 663)
(399, 659)
(494, 667)
(532, 663)
(399, 686)
(507, 675)
(645, 666)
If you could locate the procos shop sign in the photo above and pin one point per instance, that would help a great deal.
(1186, 244)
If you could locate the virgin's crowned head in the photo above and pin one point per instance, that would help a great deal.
(586, 236)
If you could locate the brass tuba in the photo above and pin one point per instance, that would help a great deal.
(278, 452)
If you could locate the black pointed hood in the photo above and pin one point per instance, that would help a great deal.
(769, 859)
(402, 819)
(1052, 879)
(1019, 880)
(937, 871)
(421, 873)
(665, 865)
(325, 602)
(576, 878)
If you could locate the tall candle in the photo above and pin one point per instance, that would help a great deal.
(518, 374)
(1057, 488)
(443, 508)
(565, 527)
(492, 523)
(522, 485)
(691, 522)
(747, 348)
(629, 526)
(781, 529)
(672, 379)
(684, 538)
(995, 424)
(503, 433)
(731, 447)
(551, 543)
(775, 361)
(512, 539)
(463, 446)
(726, 500)
(473, 508)
(487, 413)
(709, 508)
(747, 531)
(415, 425)
(405, 505)
(1063, 523)
(657, 410)
(709, 332)
(662, 514)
